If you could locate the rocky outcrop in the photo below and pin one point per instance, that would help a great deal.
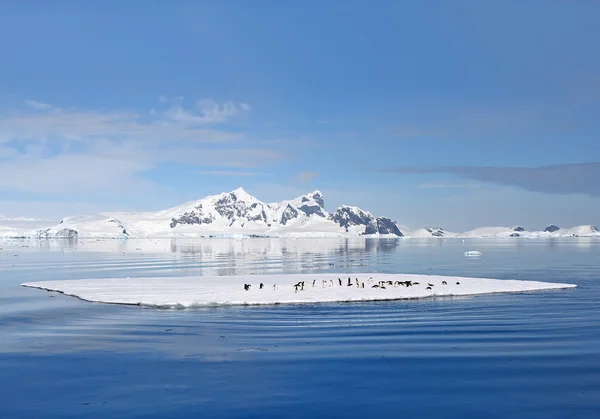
(551, 228)
(192, 217)
(347, 217)
(387, 226)
(288, 214)
(435, 231)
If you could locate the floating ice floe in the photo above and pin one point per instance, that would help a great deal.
(473, 254)
(221, 290)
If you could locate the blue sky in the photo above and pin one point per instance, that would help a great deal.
(456, 114)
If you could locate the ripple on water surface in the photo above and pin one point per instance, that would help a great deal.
(518, 355)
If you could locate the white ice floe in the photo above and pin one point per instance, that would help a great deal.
(229, 290)
(473, 254)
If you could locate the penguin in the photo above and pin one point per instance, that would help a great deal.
(274, 287)
(415, 283)
(340, 281)
(428, 288)
(362, 284)
(296, 288)
(349, 282)
(302, 286)
(323, 283)
(357, 283)
(458, 283)
(314, 280)
(245, 287)
(375, 286)
(444, 283)
(396, 283)
(382, 287)
(390, 283)
(431, 285)
(261, 286)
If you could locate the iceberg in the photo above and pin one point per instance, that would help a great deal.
(201, 291)
(472, 254)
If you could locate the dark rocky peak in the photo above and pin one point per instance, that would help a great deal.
(288, 214)
(551, 228)
(310, 209)
(387, 226)
(519, 229)
(317, 196)
(435, 231)
(352, 216)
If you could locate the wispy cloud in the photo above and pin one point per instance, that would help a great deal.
(448, 185)
(175, 123)
(579, 178)
(206, 111)
(305, 177)
(38, 105)
(229, 173)
(47, 149)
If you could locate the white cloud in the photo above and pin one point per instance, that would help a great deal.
(174, 123)
(207, 111)
(38, 105)
(65, 151)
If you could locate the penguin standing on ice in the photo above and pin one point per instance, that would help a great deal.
(444, 283)
(357, 283)
(340, 280)
(314, 280)
(349, 282)
(261, 286)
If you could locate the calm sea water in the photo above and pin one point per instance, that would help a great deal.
(534, 355)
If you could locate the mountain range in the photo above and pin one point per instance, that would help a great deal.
(239, 214)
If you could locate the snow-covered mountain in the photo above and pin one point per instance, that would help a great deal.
(239, 214)
(232, 213)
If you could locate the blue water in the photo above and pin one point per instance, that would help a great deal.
(532, 355)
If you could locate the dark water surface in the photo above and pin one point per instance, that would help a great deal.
(532, 355)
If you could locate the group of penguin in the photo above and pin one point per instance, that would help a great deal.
(324, 284)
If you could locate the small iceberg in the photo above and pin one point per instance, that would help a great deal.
(202, 291)
(473, 254)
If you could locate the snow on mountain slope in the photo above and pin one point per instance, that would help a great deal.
(498, 232)
(239, 214)
(234, 213)
(428, 232)
(583, 231)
